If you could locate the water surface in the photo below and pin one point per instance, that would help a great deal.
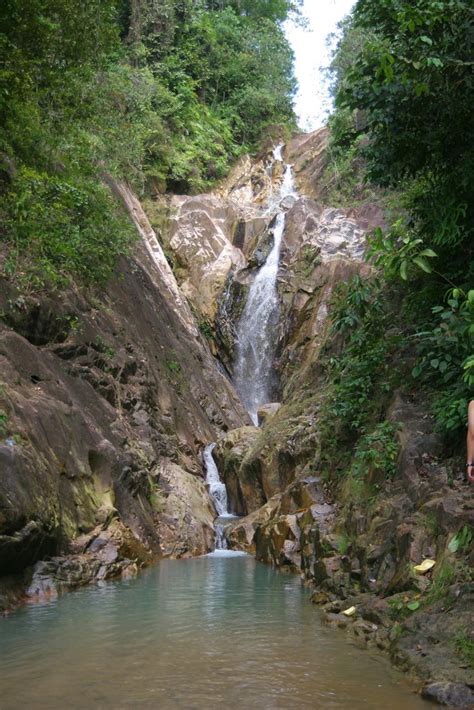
(217, 631)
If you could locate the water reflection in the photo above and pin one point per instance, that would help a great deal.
(190, 634)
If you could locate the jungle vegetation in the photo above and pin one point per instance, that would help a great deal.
(403, 82)
(164, 93)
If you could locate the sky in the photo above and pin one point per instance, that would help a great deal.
(312, 102)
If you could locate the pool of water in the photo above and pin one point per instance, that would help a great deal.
(214, 631)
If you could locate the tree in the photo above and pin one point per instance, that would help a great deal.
(412, 78)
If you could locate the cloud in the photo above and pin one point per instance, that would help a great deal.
(312, 102)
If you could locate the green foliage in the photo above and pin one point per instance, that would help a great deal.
(102, 347)
(462, 541)
(445, 361)
(376, 453)
(357, 304)
(362, 375)
(356, 439)
(173, 366)
(404, 89)
(206, 329)
(411, 73)
(402, 77)
(163, 94)
(402, 606)
(343, 182)
(443, 578)
(399, 252)
(3, 423)
(464, 645)
(446, 350)
(175, 375)
(242, 70)
(343, 543)
(63, 227)
(432, 523)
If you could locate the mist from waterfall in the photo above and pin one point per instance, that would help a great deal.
(257, 328)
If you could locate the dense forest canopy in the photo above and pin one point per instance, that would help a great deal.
(403, 82)
(163, 92)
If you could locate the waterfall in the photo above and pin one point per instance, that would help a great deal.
(257, 327)
(218, 493)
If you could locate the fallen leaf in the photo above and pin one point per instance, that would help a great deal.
(425, 566)
(350, 611)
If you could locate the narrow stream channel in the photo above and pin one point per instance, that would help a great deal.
(257, 327)
(217, 631)
(214, 631)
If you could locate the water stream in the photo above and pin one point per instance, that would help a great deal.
(214, 631)
(257, 327)
(217, 489)
(221, 630)
(218, 493)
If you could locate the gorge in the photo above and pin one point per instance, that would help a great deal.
(143, 402)
(235, 358)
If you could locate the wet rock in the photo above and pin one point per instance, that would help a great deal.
(100, 555)
(454, 695)
(241, 533)
(267, 411)
(319, 598)
(262, 249)
(277, 542)
(307, 153)
(244, 486)
(339, 621)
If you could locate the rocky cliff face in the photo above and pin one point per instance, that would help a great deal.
(107, 400)
(357, 555)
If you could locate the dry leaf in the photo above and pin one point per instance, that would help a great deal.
(425, 566)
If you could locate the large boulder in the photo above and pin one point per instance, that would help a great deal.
(244, 489)
(200, 238)
(454, 695)
(186, 513)
(97, 389)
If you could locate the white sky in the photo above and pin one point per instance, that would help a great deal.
(312, 102)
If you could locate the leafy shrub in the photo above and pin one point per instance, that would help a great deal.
(376, 452)
(402, 606)
(65, 227)
(399, 252)
(464, 645)
(446, 351)
(402, 81)
(362, 376)
(462, 541)
(442, 580)
(165, 96)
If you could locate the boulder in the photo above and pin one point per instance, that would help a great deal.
(267, 411)
(455, 695)
(186, 513)
(244, 488)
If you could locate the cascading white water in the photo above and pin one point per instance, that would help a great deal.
(255, 342)
(253, 375)
(217, 489)
(218, 493)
